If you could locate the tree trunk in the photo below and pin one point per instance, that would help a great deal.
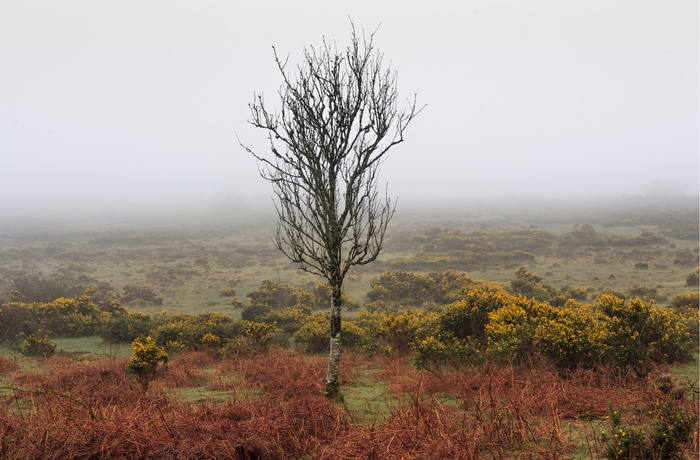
(332, 380)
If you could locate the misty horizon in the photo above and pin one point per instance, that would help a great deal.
(232, 208)
(141, 105)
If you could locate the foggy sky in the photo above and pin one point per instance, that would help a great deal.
(141, 101)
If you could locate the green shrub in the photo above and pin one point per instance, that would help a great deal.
(256, 312)
(229, 292)
(639, 334)
(110, 306)
(187, 331)
(452, 286)
(513, 328)
(254, 338)
(147, 359)
(525, 282)
(73, 317)
(459, 335)
(468, 316)
(397, 332)
(632, 335)
(669, 437)
(38, 344)
(258, 335)
(16, 318)
(321, 299)
(511, 332)
(38, 288)
(403, 287)
(213, 332)
(407, 288)
(314, 335)
(278, 296)
(289, 320)
(575, 293)
(436, 351)
(461, 249)
(584, 235)
(77, 316)
(126, 328)
(645, 293)
(140, 294)
(689, 300)
(572, 337)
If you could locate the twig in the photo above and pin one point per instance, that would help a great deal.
(167, 427)
(48, 393)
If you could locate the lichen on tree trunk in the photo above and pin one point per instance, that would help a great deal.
(332, 378)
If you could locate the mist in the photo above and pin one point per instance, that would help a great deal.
(112, 106)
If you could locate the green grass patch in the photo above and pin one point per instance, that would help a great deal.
(368, 400)
(203, 394)
(448, 399)
(689, 372)
(93, 346)
(584, 437)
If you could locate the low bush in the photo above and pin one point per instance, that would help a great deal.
(398, 332)
(255, 312)
(278, 296)
(510, 331)
(631, 335)
(143, 295)
(688, 300)
(314, 335)
(289, 320)
(72, 317)
(645, 293)
(213, 332)
(572, 337)
(229, 292)
(639, 334)
(35, 287)
(126, 328)
(668, 438)
(399, 287)
(437, 351)
(403, 287)
(38, 344)
(148, 358)
(468, 317)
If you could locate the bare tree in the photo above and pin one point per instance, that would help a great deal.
(339, 118)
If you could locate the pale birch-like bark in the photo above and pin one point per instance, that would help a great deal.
(339, 118)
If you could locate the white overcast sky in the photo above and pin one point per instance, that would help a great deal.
(105, 101)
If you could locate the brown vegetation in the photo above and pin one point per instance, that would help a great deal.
(95, 410)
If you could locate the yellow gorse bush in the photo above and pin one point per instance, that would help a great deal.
(575, 336)
(631, 334)
(639, 333)
(508, 331)
(146, 358)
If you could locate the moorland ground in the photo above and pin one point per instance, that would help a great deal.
(267, 404)
(190, 262)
